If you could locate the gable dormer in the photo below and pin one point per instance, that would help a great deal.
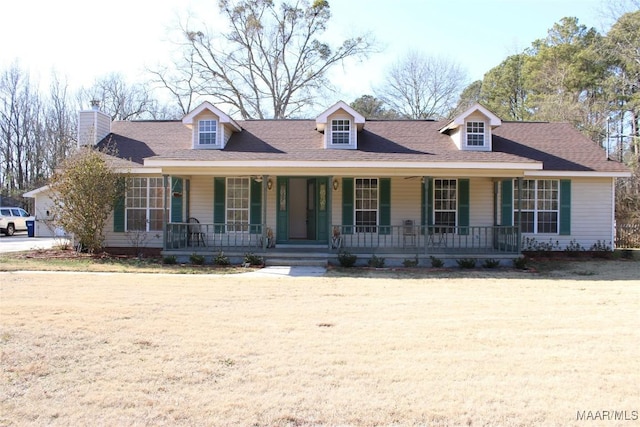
(211, 128)
(340, 124)
(472, 130)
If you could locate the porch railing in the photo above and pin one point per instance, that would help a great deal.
(427, 239)
(392, 238)
(192, 236)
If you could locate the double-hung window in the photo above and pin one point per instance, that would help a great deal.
(539, 205)
(445, 204)
(238, 205)
(475, 134)
(366, 208)
(207, 132)
(144, 200)
(340, 132)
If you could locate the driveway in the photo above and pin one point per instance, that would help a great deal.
(20, 242)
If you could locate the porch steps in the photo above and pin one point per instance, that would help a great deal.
(314, 259)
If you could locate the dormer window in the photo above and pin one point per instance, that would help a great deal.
(472, 130)
(207, 132)
(340, 125)
(210, 127)
(475, 134)
(340, 131)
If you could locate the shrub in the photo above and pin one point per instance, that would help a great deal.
(196, 259)
(601, 249)
(520, 263)
(347, 259)
(573, 248)
(221, 259)
(376, 262)
(252, 259)
(466, 262)
(491, 263)
(436, 262)
(410, 262)
(530, 244)
(169, 260)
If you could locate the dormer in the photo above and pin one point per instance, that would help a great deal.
(211, 128)
(472, 130)
(340, 124)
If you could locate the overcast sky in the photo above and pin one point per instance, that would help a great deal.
(86, 40)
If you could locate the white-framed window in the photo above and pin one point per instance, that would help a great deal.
(237, 204)
(366, 204)
(475, 134)
(340, 132)
(207, 132)
(540, 205)
(143, 204)
(445, 203)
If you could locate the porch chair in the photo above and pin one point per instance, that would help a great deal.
(438, 236)
(196, 236)
(408, 233)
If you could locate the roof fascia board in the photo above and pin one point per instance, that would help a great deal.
(345, 165)
(578, 174)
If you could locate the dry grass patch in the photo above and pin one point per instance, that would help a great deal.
(139, 349)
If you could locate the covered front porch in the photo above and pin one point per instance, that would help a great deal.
(293, 217)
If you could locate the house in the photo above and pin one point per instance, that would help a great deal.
(472, 186)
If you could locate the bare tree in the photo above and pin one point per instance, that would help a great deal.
(20, 134)
(420, 86)
(121, 100)
(60, 121)
(180, 82)
(271, 61)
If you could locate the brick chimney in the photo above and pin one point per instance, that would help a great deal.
(93, 125)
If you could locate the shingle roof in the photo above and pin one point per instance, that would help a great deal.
(558, 145)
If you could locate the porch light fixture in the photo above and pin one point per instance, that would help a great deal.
(335, 184)
(269, 184)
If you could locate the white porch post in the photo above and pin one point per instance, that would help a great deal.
(165, 219)
(264, 211)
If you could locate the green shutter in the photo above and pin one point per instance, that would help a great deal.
(423, 207)
(255, 210)
(347, 205)
(176, 199)
(118, 214)
(463, 206)
(565, 207)
(429, 201)
(119, 206)
(507, 202)
(385, 205)
(219, 196)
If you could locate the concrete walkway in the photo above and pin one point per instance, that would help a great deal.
(19, 242)
(288, 271)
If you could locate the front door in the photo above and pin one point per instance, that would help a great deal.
(302, 210)
(311, 209)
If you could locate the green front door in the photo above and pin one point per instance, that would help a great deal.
(312, 217)
(302, 210)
